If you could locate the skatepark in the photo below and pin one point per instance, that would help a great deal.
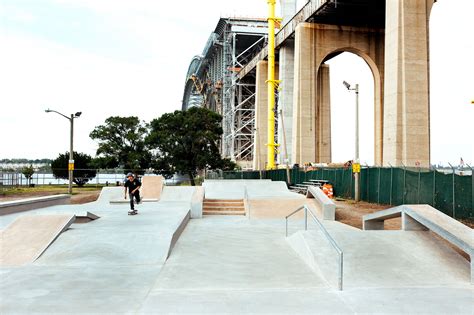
(174, 258)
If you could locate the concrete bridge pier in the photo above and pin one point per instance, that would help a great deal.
(315, 44)
(286, 54)
(407, 114)
(285, 101)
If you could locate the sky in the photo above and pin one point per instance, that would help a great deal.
(130, 57)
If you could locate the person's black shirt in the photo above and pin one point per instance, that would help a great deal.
(132, 184)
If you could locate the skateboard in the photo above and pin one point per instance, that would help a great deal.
(132, 212)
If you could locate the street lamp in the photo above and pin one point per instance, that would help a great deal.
(71, 157)
(356, 164)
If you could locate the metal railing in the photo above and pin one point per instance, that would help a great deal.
(325, 232)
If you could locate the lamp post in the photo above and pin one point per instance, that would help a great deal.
(71, 156)
(356, 164)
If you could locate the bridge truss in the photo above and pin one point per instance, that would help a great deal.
(212, 82)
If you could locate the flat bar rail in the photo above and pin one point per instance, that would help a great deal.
(326, 233)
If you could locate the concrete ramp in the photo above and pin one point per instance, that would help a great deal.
(381, 258)
(108, 194)
(178, 193)
(24, 240)
(152, 187)
(151, 190)
(423, 218)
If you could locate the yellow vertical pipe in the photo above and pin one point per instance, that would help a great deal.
(271, 86)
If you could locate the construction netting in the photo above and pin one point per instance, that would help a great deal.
(449, 192)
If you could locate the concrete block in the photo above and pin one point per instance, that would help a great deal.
(373, 225)
(196, 203)
(327, 205)
(14, 206)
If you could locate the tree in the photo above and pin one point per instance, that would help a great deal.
(83, 171)
(122, 144)
(186, 142)
(28, 172)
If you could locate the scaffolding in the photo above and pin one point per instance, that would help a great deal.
(212, 82)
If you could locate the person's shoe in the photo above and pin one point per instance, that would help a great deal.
(132, 212)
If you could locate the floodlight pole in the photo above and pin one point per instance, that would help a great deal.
(71, 145)
(356, 174)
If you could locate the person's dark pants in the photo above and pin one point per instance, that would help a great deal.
(137, 197)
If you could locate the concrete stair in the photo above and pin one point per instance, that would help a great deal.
(223, 207)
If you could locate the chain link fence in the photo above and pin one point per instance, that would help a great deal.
(8, 180)
(448, 190)
(103, 177)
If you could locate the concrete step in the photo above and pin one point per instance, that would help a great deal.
(227, 207)
(223, 201)
(225, 210)
(222, 212)
(223, 207)
(222, 204)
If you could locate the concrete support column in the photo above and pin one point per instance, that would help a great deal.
(288, 10)
(261, 115)
(323, 116)
(285, 101)
(406, 107)
(304, 96)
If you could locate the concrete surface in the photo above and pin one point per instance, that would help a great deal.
(385, 258)
(24, 240)
(228, 265)
(105, 266)
(26, 204)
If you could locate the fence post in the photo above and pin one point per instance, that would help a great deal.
(404, 182)
(434, 188)
(454, 193)
(350, 187)
(368, 183)
(378, 188)
(418, 188)
(391, 182)
(472, 187)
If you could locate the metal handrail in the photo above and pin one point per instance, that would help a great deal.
(328, 236)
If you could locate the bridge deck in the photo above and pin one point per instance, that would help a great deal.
(367, 13)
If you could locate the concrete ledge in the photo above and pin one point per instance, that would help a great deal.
(328, 206)
(9, 207)
(425, 217)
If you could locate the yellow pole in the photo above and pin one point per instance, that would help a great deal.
(271, 86)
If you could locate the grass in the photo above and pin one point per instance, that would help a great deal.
(48, 189)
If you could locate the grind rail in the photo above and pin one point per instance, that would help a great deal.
(328, 237)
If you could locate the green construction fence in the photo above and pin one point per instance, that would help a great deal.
(450, 193)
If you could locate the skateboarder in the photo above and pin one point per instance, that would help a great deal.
(133, 186)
